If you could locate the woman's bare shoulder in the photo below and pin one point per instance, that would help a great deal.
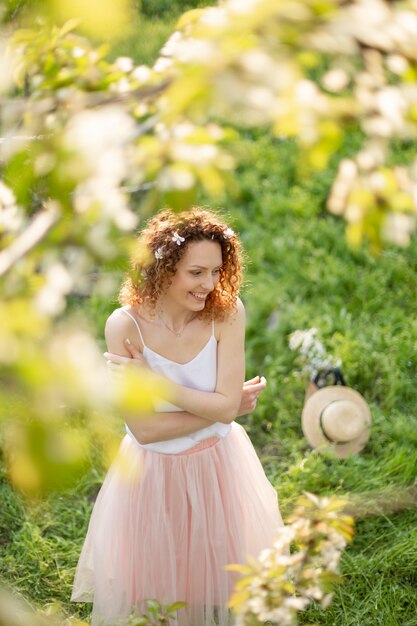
(119, 326)
(238, 314)
(240, 306)
(117, 320)
(236, 319)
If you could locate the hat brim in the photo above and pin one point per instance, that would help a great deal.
(310, 419)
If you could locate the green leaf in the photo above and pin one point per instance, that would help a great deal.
(69, 26)
(171, 608)
(237, 599)
(153, 605)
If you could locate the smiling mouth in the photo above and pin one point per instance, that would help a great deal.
(199, 296)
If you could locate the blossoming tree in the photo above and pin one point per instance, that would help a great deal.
(88, 146)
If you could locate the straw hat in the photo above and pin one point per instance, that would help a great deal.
(337, 416)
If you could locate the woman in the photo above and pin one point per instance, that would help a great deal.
(200, 499)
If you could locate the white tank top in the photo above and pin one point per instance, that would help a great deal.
(199, 373)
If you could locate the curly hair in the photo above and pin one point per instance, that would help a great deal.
(157, 254)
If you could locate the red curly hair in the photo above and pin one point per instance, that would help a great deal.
(157, 254)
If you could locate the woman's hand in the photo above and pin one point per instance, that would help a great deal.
(250, 392)
(117, 363)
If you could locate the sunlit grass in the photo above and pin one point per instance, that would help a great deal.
(145, 39)
(300, 273)
(40, 542)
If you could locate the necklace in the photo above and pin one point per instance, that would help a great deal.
(175, 332)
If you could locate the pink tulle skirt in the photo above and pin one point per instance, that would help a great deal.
(165, 526)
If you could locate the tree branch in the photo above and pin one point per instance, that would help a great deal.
(51, 103)
(34, 233)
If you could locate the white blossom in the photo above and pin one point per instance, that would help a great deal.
(122, 86)
(241, 6)
(124, 64)
(346, 176)
(392, 105)
(298, 604)
(335, 79)
(214, 16)
(51, 297)
(162, 64)
(260, 97)
(398, 228)
(194, 153)
(177, 238)
(312, 352)
(7, 197)
(371, 156)
(11, 215)
(77, 52)
(192, 50)
(397, 64)
(258, 63)
(142, 73)
(169, 46)
(176, 177)
(94, 132)
(11, 218)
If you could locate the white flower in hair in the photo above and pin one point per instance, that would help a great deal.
(228, 233)
(177, 238)
(159, 254)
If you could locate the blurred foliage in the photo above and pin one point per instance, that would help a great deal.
(17, 613)
(148, 8)
(156, 614)
(107, 19)
(300, 272)
(68, 150)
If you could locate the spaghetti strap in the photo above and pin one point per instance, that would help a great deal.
(137, 326)
(212, 328)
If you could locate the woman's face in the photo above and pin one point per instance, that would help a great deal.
(197, 274)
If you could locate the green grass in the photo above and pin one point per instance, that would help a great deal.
(153, 23)
(146, 38)
(380, 572)
(301, 273)
(41, 541)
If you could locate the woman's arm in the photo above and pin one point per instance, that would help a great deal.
(223, 404)
(164, 426)
(158, 426)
